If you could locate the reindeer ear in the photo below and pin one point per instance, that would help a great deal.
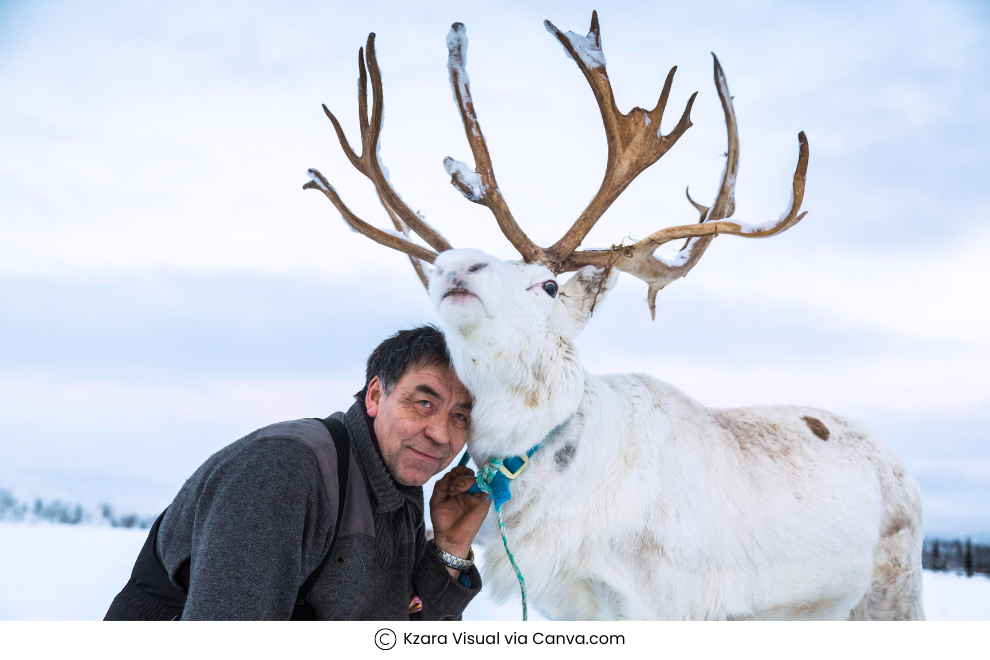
(581, 296)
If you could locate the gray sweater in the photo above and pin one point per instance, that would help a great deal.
(257, 517)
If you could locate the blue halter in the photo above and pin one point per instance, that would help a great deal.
(503, 472)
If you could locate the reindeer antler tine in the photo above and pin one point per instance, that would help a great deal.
(634, 139)
(319, 182)
(595, 29)
(369, 164)
(651, 299)
(344, 144)
(702, 209)
(640, 259)
(362, 93)
(685, 121)
(661, 105)
(790, 217)
(479, 185)
(391, 197)
(725, 204)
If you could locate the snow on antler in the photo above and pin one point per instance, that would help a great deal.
(586, 49)
(464, 179)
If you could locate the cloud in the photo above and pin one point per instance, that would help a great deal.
(166, 285)
(139, 139)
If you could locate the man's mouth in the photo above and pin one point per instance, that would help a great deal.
(425, 457)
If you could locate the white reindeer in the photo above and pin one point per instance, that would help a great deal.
(639, 502)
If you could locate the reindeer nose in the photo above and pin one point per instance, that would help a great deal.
(475, 268)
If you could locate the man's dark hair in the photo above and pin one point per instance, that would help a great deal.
(416, 347)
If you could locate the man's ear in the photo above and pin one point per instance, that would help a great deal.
(581, 296)
(373, 397)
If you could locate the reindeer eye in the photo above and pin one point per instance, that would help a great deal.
(551, 288)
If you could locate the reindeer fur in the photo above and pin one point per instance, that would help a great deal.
(641, 503)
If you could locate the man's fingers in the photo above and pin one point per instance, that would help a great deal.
(462, 471)
(444, 482)
(463, 484)
(458, 480)
(441, 487)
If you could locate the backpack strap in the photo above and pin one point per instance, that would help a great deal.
(304, 611)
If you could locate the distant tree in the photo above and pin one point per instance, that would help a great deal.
(10, 508)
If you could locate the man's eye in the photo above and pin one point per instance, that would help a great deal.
(426, 404)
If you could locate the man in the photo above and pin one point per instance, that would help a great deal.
(259, 517)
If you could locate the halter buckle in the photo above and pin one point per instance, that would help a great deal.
(512, 475)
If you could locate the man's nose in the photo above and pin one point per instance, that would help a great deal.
(436, 430)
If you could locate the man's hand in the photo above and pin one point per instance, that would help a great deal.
(457, 515)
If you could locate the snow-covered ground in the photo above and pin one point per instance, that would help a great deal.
(951, 597)
(72, 572)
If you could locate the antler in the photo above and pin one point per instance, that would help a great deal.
(639, 259)
(479, 186)
(369, 164)
(634, 139)
(633, 145)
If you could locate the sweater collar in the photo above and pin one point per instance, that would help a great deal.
(389, 496)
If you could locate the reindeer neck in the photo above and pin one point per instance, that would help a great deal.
(520, 395)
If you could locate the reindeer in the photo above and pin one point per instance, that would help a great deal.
(639, 502)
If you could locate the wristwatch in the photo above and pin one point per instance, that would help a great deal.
(455, 562)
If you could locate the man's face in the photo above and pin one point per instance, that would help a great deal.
(422, 424)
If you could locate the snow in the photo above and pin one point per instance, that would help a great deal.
(951, 597)
(769, 224)
(314, 176)
(587, 49)
(63, 572)
(457, 45)
(680, 257)
(73, 572)
(393, 232)
(753, 229)
(467, 176)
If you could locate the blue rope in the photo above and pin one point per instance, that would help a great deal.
(491, 473)
(485, 476)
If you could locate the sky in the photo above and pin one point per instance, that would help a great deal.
(166, 286)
